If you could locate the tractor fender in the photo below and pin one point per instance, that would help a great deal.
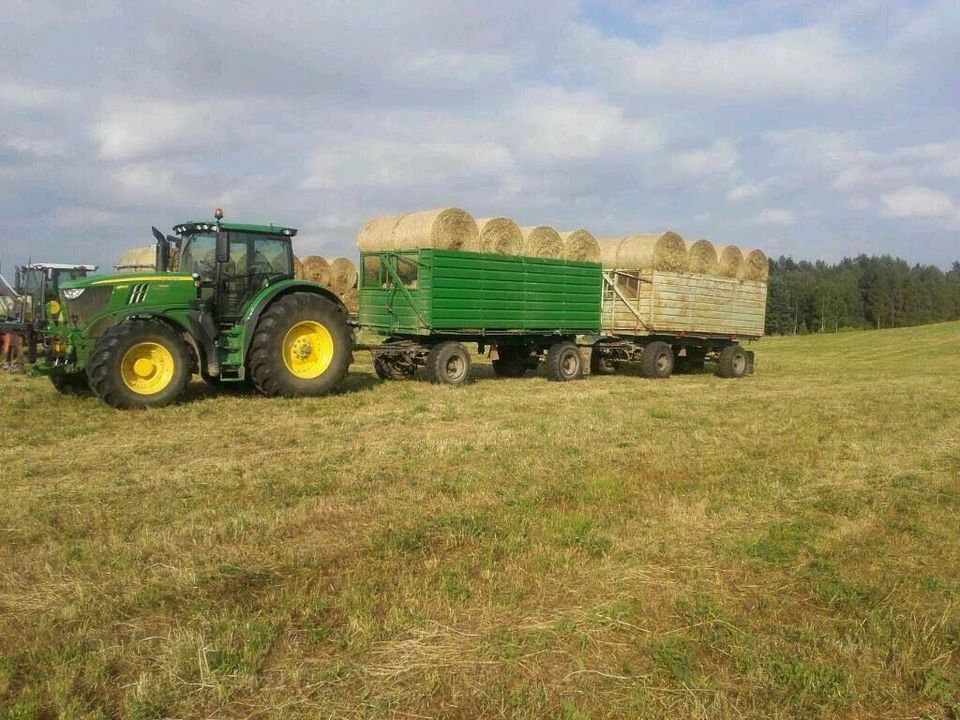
(267, 296)
(187, 325)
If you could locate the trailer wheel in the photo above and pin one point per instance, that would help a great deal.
(70, 384)
(511, 363)
(601, 364)
(563, 362)
(732, 362)
(302, 346)
(657, 360)
(448, 363)
(139, 364)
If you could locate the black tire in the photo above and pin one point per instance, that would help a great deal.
(732, 362)
(272, 346)
(511, 363)
(601, 364)
(657, 360)
(72, 384)
(448, 363)
(105, 370)
(563, 362)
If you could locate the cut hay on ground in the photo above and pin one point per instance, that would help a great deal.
(541, 241)
(702, 258)
(449, 228)
(730, 260)
(653, 251)
(316, 269)
(377, 234)
(608, 252)
(139, 260)
(580, 245)
(500, 236)
(755, 266)
(343, 275)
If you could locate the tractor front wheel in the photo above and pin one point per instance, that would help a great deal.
(139, 364)
(302, 346)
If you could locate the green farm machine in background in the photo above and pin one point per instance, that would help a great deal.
(223, 302)
(31, 307)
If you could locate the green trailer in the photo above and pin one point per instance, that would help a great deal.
(427, 303)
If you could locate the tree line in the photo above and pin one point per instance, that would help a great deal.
(858, 293)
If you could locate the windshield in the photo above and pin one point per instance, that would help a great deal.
(250, 254)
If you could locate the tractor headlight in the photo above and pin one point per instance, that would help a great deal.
(72, 293)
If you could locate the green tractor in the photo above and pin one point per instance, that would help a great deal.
(31, 307)
(223, 302)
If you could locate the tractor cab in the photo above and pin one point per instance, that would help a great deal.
(236, 261)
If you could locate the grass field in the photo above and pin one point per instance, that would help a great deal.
(782, 546)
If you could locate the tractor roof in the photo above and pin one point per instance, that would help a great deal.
(60, 266)
(192, 226)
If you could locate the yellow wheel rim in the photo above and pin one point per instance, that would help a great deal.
(307, 349)
(147, 368)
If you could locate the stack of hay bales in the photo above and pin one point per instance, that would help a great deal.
(668, 252)
(339, 275)
(448, 228)
(138, 260)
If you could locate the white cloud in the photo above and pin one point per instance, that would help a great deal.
(746, 191)
(29, 96)
(776, 216)
(814, 62)
(916, 201)
(134, 129)
(554, 124)
(82, 217)
(716, 159)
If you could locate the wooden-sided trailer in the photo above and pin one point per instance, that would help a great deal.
(666, 320)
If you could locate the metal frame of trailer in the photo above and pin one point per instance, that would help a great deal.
(428, 302)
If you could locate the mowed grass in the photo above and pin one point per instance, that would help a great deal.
(787, 545)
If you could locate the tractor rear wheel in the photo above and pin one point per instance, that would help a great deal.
(448, 363)
(70, 384)
(139, 364)
(302, 346)
(563, 362)
(732, 362)
(657, 360)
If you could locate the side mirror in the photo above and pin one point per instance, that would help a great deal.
(223, 247)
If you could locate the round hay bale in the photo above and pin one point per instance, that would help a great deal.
(653, 251)
(142, 259)
(608, 252)
(755, 266)
(580, 245)
(352, 300)
(297, 268)
(343, 275)
(500, 236)
(702, 258)
(541, 241)
(377, 235)
(316, 269)
(449, 229)
(730, 259)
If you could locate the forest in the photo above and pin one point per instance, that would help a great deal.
(858, 293)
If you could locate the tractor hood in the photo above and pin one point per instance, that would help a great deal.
(125, 278)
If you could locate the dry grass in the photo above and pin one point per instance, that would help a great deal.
(787, 545)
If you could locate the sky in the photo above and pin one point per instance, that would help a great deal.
(810, 129)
